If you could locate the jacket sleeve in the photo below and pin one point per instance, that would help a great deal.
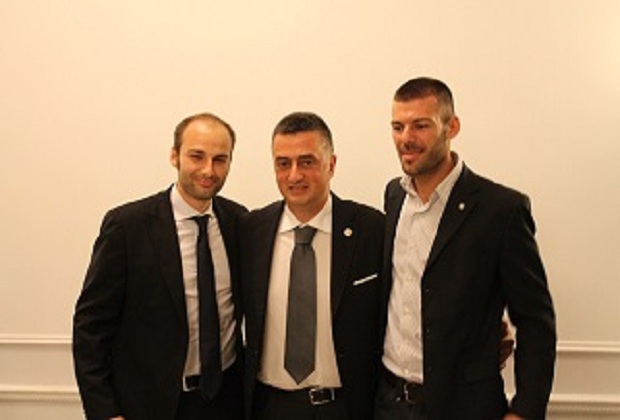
(96, 319)
(531, 311)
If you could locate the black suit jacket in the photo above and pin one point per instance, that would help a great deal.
(355, 307)
(483, 259)
(130, 330)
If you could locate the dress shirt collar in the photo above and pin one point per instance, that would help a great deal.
(444, 188)
(182, 210)
(322, 221)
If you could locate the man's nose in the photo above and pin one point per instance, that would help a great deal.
(294, 173)
(207, 168)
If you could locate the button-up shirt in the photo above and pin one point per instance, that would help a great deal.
(415, 233)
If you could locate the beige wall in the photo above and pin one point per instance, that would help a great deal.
(91, 90)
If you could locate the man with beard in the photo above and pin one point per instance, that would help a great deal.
(460, 249)
(156, 332)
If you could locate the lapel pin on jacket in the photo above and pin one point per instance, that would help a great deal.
(348, 232)
(461, 206)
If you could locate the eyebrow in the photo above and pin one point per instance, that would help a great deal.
(415, 120)
(305, 156)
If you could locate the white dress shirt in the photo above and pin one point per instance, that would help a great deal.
(272, 367)
(187, 230)
(415, 233)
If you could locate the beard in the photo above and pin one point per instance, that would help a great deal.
(429, 160)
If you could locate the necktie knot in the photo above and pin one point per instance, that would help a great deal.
(202, 222)
(304, 235)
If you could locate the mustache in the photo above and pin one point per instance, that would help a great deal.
(410, 146)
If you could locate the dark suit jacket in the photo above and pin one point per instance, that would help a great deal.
(355, 308)
(484, 257)
(130, 331)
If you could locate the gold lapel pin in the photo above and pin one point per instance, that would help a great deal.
(348, 232)
(461, 206)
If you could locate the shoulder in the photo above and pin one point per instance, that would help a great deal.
(263, 213)
(492, 196)
(492, 190)
(358, 211)
(140, 207)
(229, 206)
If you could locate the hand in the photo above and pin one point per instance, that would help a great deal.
(513, 416)
(117, 418)
(506, 345)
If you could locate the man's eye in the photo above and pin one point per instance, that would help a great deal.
(282, 164)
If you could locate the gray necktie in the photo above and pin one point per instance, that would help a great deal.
(301, 312)
(208, 321)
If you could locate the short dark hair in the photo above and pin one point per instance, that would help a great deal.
(298, 122)
(425, 86)
(206, 116)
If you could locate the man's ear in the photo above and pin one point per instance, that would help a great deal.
(453, 127)
(174, 158)
(332, 164)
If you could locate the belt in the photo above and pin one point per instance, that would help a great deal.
(411, 392)
(313, 396)
(192, 382)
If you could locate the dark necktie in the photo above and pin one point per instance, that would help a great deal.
(208, 319)
(301, 311)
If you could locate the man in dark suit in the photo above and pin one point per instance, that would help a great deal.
(137, 343)
(347, 244)
(459, 250)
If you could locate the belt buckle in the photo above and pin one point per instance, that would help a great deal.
(410, 394)
(192, 383)
(318, 396)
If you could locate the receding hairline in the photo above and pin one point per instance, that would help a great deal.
(207, 117)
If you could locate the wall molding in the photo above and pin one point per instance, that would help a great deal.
(46, 394)
(561, 405)
(34, 340)
(589, 347)
(585, 405)
(563, 347)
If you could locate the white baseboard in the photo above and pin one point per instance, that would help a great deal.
(38, 369)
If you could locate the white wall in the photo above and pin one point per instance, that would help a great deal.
(91, 90)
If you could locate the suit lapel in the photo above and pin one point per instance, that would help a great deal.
(393, 204)
(165, 242)
(459, 206)
(344, 240)
(226, 225)
(265, 234)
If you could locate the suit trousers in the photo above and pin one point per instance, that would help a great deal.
(275, 404)
(390, 406)
(227, 404)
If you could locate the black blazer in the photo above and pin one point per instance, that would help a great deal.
(484, 258)
(355, 307)
(130, 330)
